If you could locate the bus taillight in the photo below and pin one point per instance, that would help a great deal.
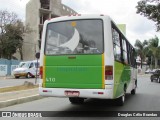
(41, 72)
(109, 73)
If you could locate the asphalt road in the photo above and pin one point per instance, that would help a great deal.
(147, 98)
(14, 82)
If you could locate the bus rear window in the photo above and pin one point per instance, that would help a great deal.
(74, 37)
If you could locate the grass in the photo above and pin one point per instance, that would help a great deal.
(17, 88)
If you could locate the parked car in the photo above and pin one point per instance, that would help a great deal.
(153, 71)
(156, 76)
(148, 71)
(27, 69)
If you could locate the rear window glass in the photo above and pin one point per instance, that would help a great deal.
(74, 37)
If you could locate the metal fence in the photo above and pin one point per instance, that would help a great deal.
(7, 66)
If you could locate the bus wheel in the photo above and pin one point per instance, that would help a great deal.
(76, 100)
(120, 100)
(133, 92)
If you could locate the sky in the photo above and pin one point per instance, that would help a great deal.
(121, 11)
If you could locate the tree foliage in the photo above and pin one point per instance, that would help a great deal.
(141, 49)
(11, 34)
(151, 10)
(148, 48)
(13, 39)
(155, 49)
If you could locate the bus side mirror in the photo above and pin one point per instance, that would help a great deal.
(37, 55)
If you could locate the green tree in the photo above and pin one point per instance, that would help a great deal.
(141, 49)
(12, 31)
(13, 39)
(155, 49)
(8, 33)
(151, 10)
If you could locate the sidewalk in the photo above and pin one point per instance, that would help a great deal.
(142, 74)
(6, 77)
(17, 97)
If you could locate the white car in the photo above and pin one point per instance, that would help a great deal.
(27, 69)
(153, 71)
(148, 71)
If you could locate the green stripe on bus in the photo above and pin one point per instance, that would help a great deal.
(122, 75)
(79, 71)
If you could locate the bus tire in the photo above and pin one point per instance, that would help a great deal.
(120, 101)
(133, 92)
(74, 100)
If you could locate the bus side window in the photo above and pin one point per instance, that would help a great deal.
(134, 55)
(116, 45)
(117, 52)
(125, 57)
(133, 61)
(129, 53)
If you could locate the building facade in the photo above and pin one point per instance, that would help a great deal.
(37, 11)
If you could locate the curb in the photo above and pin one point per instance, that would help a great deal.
(6, 77)
(20, 91)
(20, 100)
(144, 74)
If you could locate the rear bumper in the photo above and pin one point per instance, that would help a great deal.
(84, 93)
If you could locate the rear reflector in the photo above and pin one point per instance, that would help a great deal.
(100, 93)
(45, 90)
(49, 91)
(109, 73)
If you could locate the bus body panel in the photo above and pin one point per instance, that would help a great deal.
(83, 93)
(132, 85)
(73, 71)
(121, 77)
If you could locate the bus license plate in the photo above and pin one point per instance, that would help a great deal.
(72, 93)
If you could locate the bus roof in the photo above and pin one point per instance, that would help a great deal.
(84, 16)
(78, 16)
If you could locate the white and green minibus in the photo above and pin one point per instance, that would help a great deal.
(86, 56)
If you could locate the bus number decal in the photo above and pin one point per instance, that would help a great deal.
(50, 79)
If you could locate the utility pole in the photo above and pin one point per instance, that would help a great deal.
(151, 63)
